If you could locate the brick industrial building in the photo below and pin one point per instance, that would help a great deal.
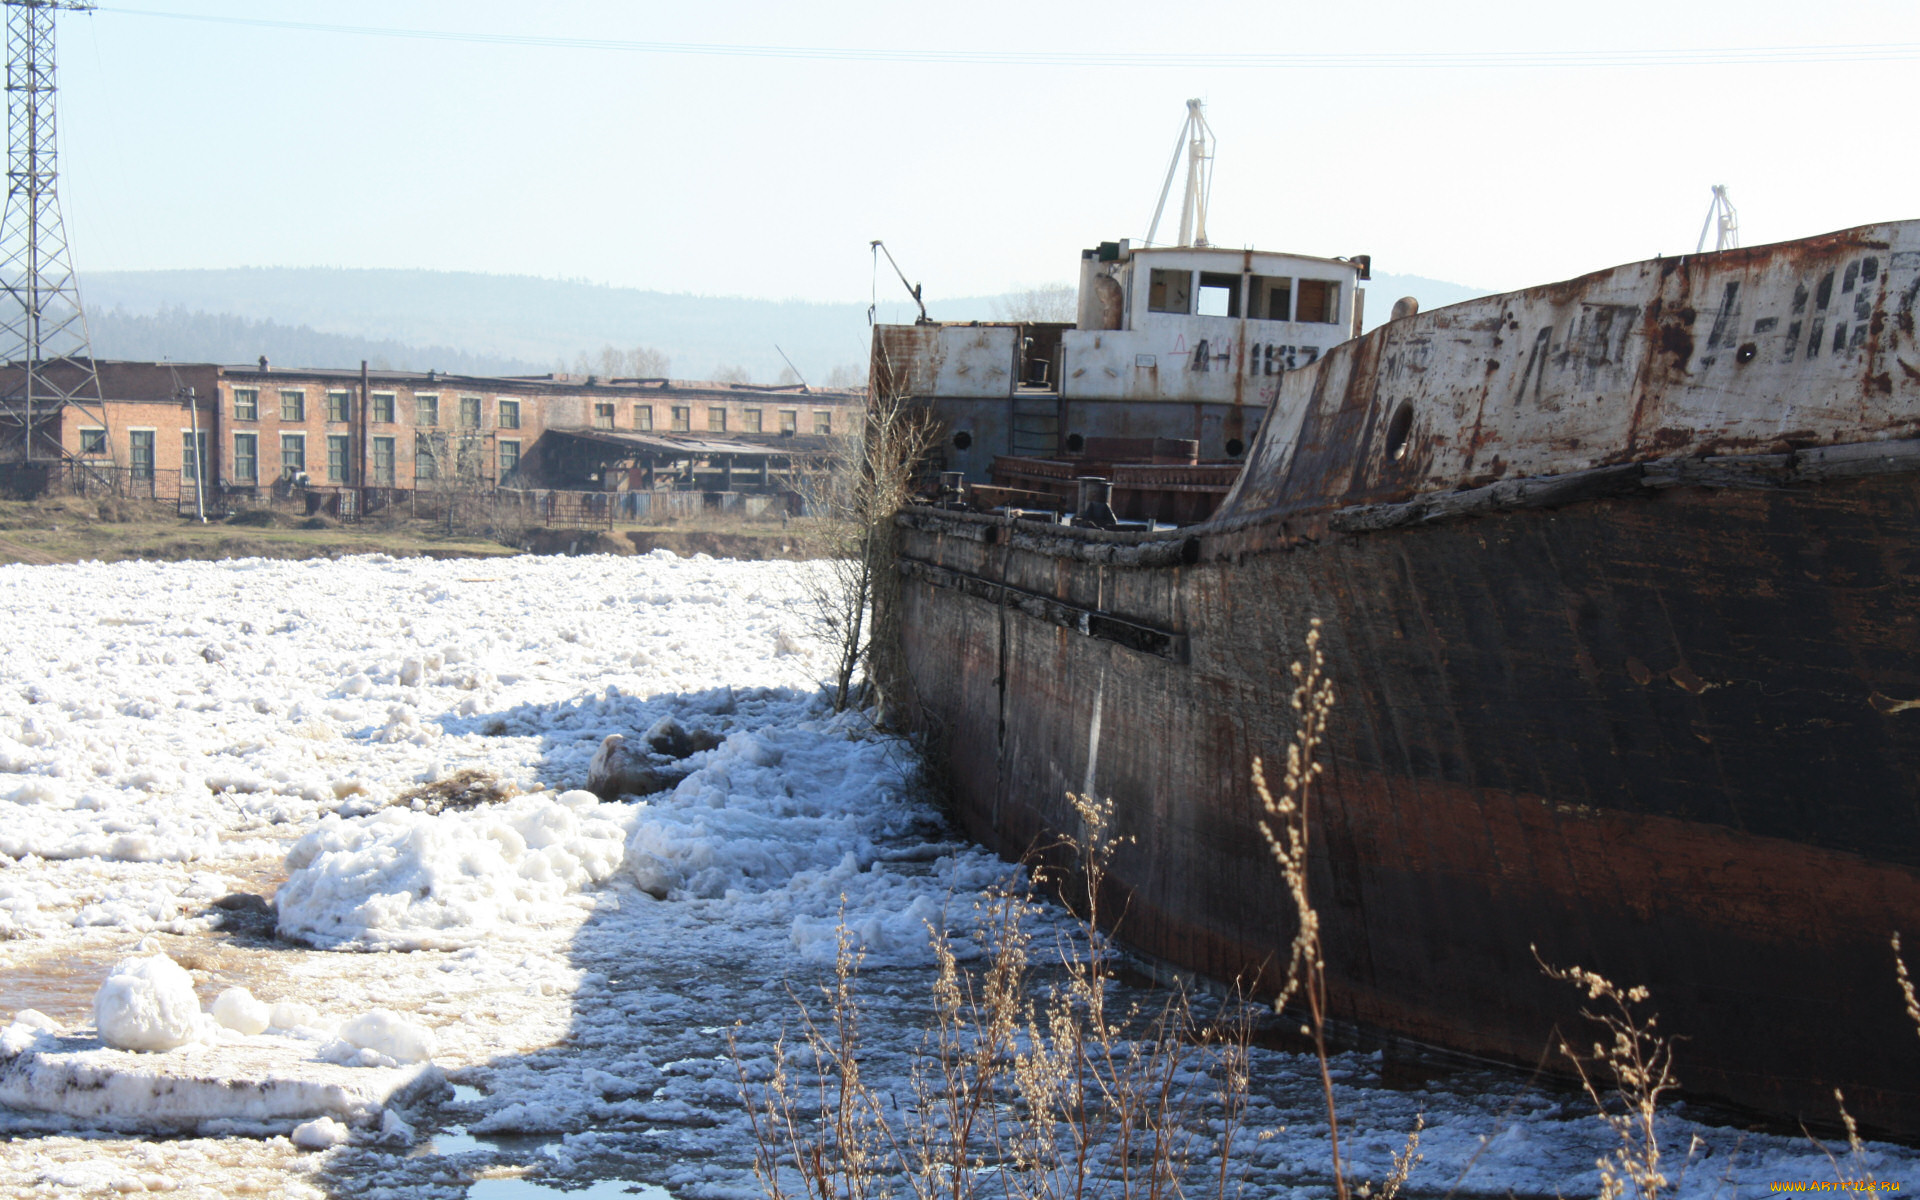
(264, 426)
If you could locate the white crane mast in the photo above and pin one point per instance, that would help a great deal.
(1724, 222)
(1196, 146)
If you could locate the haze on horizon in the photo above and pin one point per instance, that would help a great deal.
(211, 134)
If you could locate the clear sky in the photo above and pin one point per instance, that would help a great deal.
(197, 143)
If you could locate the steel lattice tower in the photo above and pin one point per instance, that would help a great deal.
(43, 330)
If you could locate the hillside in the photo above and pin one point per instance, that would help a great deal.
(457, 321)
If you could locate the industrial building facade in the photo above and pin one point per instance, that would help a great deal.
(262, 427)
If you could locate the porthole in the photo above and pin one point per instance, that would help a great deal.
(1746, 352)
(1397, 431)
(1234, 447)
(1075, 443)
(962, 440)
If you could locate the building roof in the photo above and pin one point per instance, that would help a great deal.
(682, 448)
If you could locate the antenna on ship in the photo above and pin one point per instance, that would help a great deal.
(1724, 222)
(1196, 145)
(43, 327)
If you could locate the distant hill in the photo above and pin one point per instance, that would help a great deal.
(512, 324)
(185, 335)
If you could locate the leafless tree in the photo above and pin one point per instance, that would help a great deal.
(451, 467)
(1046, 302)
(645, 362)
(847, 375)
(787, 378)
(868, 477)
(732, 373)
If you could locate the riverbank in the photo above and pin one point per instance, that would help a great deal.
(73, 530)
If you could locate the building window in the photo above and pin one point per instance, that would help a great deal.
(823, 423)
(470, 412)
(191, 454)
(1170, 291)
(509, 459)
(1319, 301)
(682, 418)
(426, 410)
(716, 419)
(293, 453)
(643, 417)
(246, 404)
(1270, 297)
(93, 442)
(603, 416)
(383, 461)
(246, 458)
(293, 405)
(750, 420)
(339, 404)
(383, 408)
(789, 421)
(509, 414)
(337, 444)
(140, 453)
(426, 463)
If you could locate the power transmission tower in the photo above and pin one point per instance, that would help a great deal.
(43, 330)
(1722, 220)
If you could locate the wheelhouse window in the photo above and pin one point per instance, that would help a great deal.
(1319, 301)
(246, 404)
(1170, 291)
(1219, 294)
(293, 405)
(1270, 297)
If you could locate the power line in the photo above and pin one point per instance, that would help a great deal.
(1369, 60)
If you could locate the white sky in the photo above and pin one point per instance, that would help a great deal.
(196, 144)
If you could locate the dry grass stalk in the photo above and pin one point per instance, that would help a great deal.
(1287, 828)
(1640, 1061)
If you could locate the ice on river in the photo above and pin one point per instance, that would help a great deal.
(537, 979)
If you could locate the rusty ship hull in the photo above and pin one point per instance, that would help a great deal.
(1620, 583)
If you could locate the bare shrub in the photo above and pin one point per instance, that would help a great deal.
(868, 476)
(1639, 1062)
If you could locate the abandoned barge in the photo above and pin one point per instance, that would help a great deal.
(1621, 587)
